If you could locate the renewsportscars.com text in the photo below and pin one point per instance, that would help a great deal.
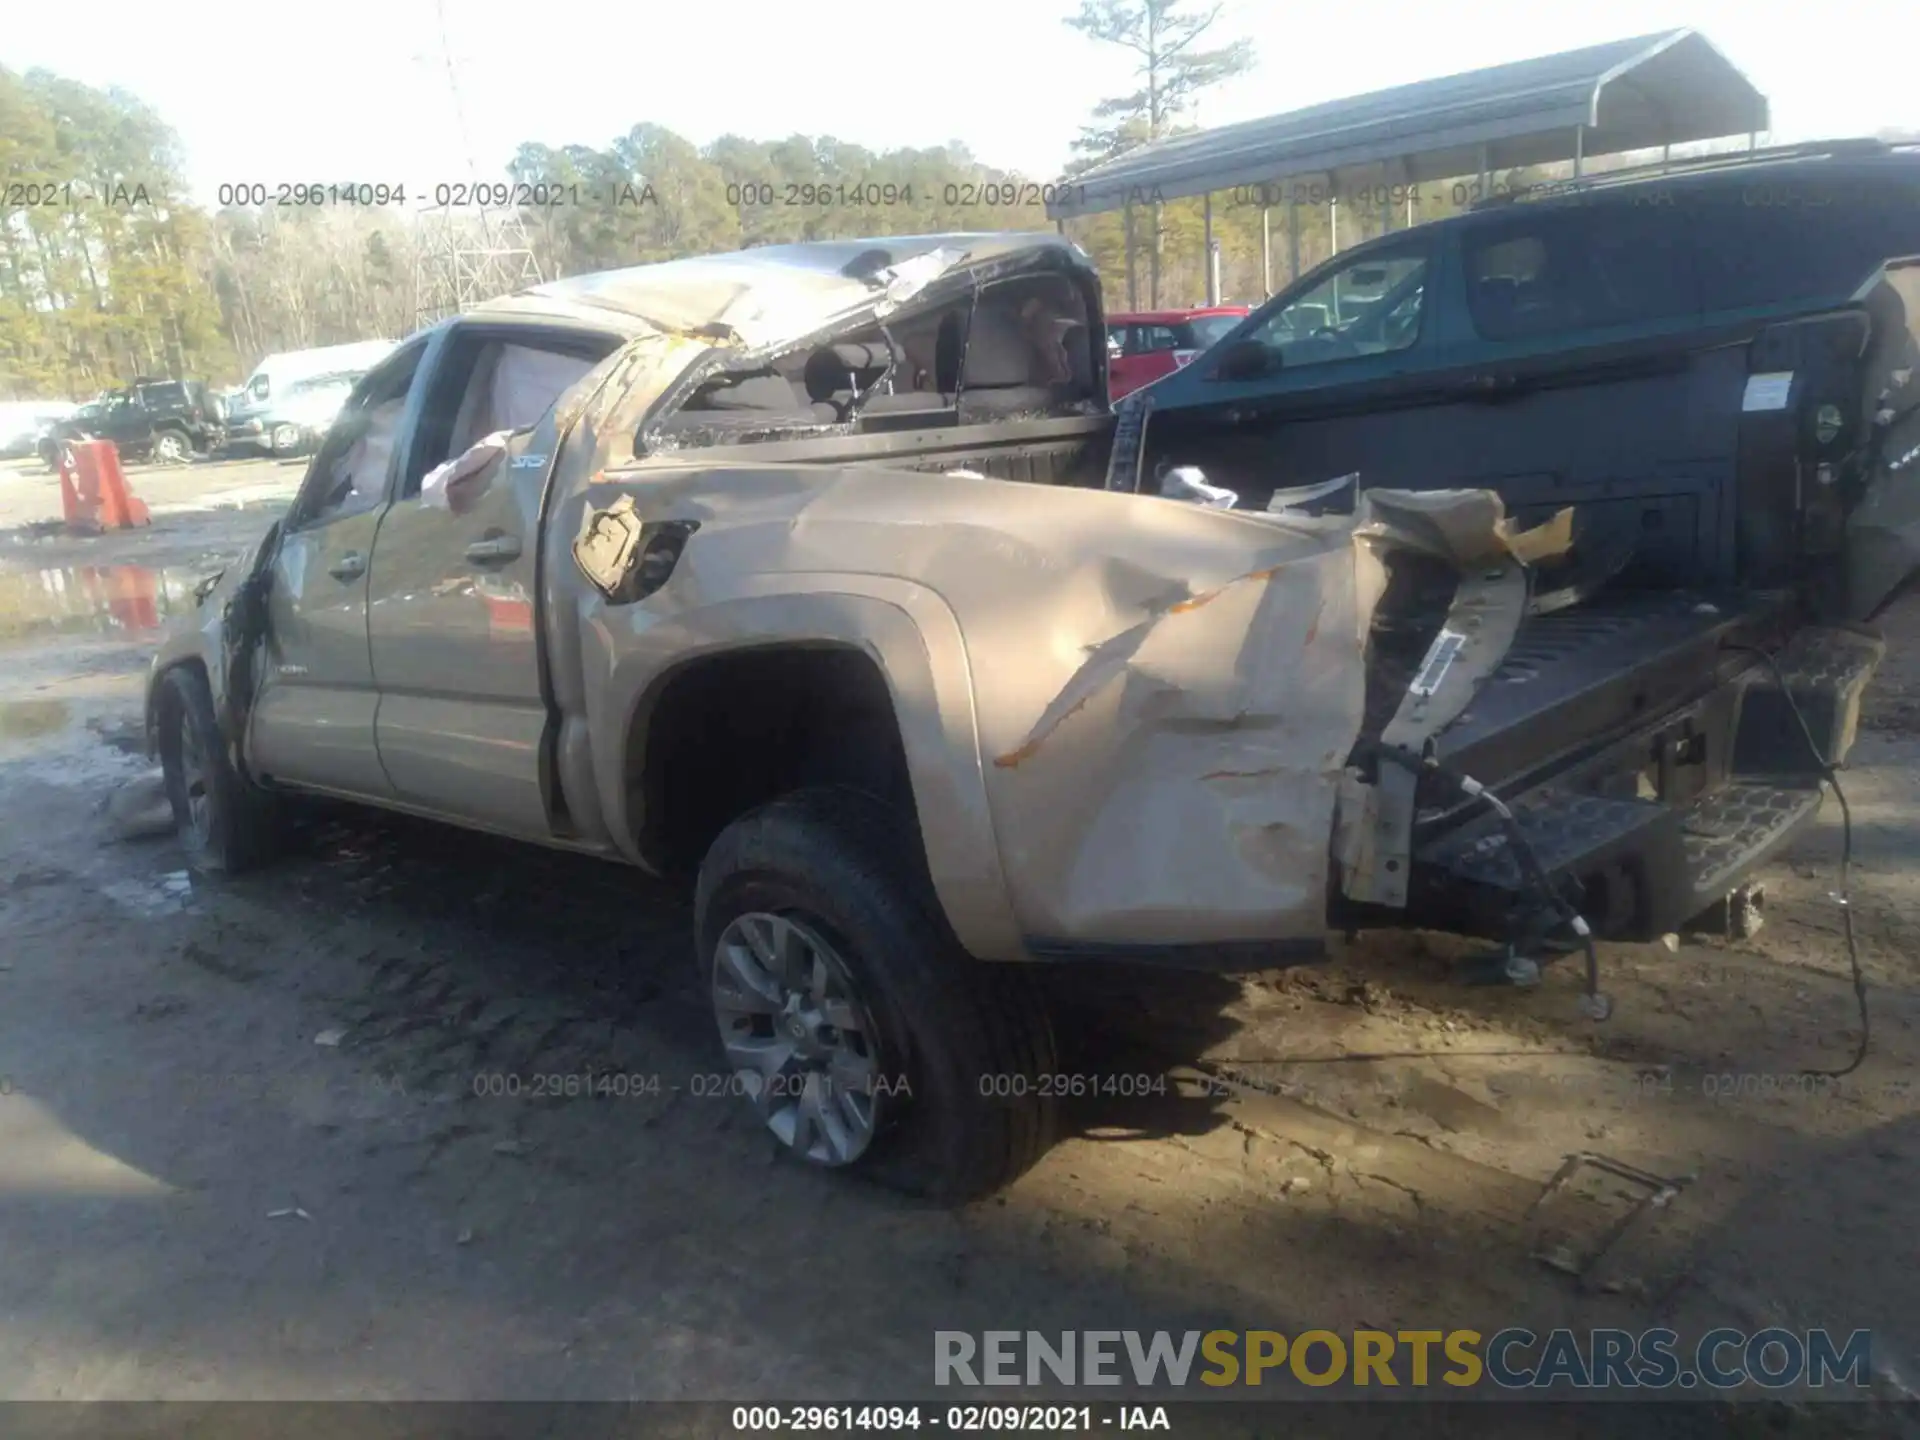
(1510, 1359)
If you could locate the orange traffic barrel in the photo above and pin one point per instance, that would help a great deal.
(101, 498)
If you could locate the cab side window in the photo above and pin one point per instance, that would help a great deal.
(1028, 349)
(350, 472)
(1563, 272)
(1373, 305)
(1153, 340)
(495, 383)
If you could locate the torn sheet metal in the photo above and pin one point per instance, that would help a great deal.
(607, 545)
(1301, 496)
(1164, 696)
(1469, 529)
(1198, 754)
(625, 558)
(777, 294)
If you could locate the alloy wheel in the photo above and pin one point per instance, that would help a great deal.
(803, 1046)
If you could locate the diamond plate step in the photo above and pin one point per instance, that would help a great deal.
(1563, 829)
(1737, 827)
(1826, 672)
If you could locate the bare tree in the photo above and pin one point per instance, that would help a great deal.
(1172, 75)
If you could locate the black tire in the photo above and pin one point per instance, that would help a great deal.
(235, 825)
(170, 447)
(971, 1039)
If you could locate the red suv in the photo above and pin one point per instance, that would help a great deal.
(1143, 347)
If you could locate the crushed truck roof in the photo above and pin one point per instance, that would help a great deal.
(774, 293)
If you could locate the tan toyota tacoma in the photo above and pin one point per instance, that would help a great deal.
(791, 572)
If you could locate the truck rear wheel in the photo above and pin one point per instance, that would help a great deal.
(862, 1033)
(226, 824)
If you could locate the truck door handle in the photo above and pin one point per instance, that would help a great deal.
(493, 549)
(350, 566)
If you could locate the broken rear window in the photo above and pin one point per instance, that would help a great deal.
(1020, 347)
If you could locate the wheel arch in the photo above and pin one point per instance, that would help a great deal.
(164, 669)
(902, 636)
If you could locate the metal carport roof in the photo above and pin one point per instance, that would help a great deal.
(1654, 90)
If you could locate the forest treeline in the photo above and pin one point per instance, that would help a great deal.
(109, 269)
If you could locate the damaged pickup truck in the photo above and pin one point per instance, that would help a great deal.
(791, 572)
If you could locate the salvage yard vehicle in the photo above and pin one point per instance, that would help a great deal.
(1143, 346)
(22, 423)
(791, 573)
(1713, 365)
(294, 420)
(291, 397)
(168, 421)
(276, 373)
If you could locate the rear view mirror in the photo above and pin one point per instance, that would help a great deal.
(1245, 360)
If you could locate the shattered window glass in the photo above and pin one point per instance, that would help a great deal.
(349, 474)
(1028, 349)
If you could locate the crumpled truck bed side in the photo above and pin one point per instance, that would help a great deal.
(1126, 719)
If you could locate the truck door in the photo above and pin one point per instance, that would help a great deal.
(313, 721)
(452, 626)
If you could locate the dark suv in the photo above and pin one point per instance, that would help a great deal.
(1714, 365)
(1694, 357)
(169, 421)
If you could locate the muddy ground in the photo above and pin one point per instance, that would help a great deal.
(242, 1153)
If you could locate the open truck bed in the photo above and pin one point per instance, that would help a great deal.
(1741, 498)
(1646, 746)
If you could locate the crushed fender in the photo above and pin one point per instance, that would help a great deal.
(243, 632)
(1160, 699)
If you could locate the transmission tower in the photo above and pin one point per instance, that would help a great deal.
(464, 256)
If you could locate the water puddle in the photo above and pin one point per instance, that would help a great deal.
(30, 719)
(91, 600)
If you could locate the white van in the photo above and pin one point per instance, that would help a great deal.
(275, 376)
(278, 371)
(22, 421)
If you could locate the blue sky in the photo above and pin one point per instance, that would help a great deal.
(358, 90)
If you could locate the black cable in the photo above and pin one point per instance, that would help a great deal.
(1527, 859)
(1517, 838)
(1830, 773)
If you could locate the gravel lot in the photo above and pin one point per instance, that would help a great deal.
(247, 1148)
